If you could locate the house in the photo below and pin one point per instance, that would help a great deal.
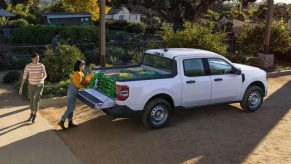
(123, 14)
(66, 19)
(7, 31)
(4, 13)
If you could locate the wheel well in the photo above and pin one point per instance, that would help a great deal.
(259, 84)
(165, 97)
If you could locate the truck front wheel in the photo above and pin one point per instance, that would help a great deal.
(253, 99)
(156, 113)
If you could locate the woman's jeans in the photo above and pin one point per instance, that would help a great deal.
(34, 94)
(72, 95)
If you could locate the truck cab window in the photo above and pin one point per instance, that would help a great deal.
(219, 66)
(193, 67)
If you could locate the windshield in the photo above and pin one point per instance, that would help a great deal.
(159, 62)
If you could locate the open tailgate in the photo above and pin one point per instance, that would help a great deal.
(95, 99)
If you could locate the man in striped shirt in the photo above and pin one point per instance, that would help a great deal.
(36, 74)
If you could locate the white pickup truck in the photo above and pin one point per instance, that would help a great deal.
(187, 78)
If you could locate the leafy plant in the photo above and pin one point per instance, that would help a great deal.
(116, 56)
(42, 34)
(252, 38)
(59, 64)
(18, 22)
(195, 36)
(135, 28)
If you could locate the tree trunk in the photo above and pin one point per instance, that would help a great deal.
(102, 33)
(267, 58)
(268, 27)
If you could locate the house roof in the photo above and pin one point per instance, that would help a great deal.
(5, 13)
(113, 11)
(66, 15)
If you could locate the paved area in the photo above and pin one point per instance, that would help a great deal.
(23, 142)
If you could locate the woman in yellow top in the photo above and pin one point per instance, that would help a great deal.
(76, 83)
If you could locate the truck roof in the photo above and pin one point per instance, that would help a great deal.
(174, 52)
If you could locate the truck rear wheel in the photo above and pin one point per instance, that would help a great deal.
(157, 113)
(253, 99)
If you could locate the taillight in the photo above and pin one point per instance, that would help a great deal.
(122, 92)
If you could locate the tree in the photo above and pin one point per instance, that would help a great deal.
(3, 4)
(174, 11)
(29, 10)
(15, 2)
(90, 6)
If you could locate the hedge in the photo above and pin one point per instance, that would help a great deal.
(43, 34)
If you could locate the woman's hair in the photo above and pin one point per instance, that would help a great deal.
(78, 65)
(34, 55)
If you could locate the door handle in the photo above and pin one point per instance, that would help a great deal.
(191, 82)
(218, 79)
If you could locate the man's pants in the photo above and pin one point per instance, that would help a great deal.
(34, 94)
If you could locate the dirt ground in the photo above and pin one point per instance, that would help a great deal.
(220, 134)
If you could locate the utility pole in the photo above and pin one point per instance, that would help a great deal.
(268, 27)
(102, 33)
(267, 58)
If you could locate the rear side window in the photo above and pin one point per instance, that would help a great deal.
(219, 67)
(159, 62)
(193, 67)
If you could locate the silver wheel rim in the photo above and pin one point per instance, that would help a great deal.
(254, 99)
(159, 115)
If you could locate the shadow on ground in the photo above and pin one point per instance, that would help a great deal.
(221, 134)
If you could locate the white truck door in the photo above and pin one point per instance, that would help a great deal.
(226, 86)
(196, 83)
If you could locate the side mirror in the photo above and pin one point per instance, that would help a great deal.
(236, 71)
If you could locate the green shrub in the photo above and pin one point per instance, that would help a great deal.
(42, 34)
(153, 29)
(214, 16)
(237, 58)
(16, 62)
(252, 38)
(92, 55)
(195, 36)
(56, 89)
(11, 77)
(59, 64)
(117, 25)
(135, 28)
(117, 35)
(18, 22)
(240, 16)
(116, 56)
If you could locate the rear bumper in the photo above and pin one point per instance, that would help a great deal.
(122, 111)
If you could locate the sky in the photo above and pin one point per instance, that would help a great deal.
(279, 1)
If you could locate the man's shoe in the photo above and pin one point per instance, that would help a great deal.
(61, 123)
(72, 125)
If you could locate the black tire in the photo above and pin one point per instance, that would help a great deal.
(247, 104)
(156, 108)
